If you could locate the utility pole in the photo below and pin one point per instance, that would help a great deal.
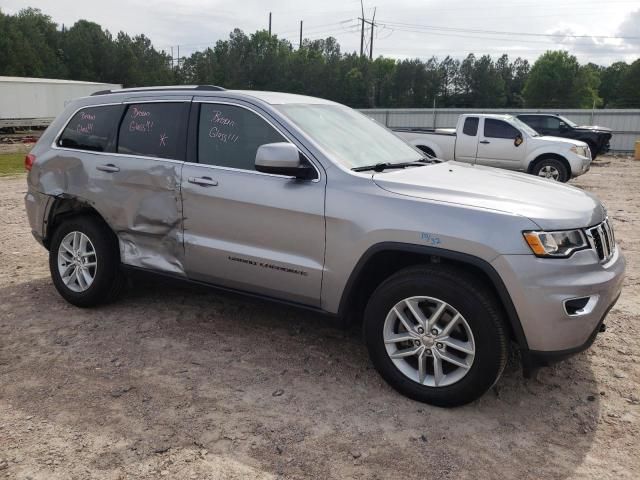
(300, 46)
(362, 30)
(373, 24)
(269, 23)
(178, 57)
(171, 58)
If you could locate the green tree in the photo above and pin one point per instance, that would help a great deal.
(611, 84)
(630, 87)
(557, 80)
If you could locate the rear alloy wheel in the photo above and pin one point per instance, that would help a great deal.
(436, 334)
(551, 169)
(84, 260)
(77, 261)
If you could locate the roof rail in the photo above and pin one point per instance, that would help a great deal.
(211, 88)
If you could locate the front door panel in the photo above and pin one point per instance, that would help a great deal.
(246, 229)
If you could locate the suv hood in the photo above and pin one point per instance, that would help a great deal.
(593, 128)
(561, 140)
(551, 205)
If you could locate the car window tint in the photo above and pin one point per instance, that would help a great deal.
(153, 130)
(530, 120)
(229, 136)
(470, 126)
(499, 129)
(551, 123)
(91, 128)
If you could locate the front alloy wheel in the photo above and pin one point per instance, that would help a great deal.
(437, 334)
(550, 172)
(429, 341)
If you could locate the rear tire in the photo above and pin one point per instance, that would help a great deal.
(477, 343)
(84, 260)
(552, 169)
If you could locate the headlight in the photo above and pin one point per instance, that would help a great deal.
(556, 244)
(582, 151)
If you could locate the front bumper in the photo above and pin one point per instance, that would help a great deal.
(539, 288)
(535, 358)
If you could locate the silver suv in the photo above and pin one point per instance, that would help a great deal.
(308, 202)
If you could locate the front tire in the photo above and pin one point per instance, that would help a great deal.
(436, 335)
(552, 169)
(84, 260)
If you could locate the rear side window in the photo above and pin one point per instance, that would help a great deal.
(532, 121)
(499, 129)
(552, 123)
(229, 136)
(470, 126)
(154, 130)
(92, 128)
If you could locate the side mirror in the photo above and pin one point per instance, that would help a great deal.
(282, 158)
(563, 127)
(518, 140)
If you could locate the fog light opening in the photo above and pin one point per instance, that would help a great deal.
(580, 306)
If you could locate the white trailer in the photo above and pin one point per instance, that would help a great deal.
(31, 102)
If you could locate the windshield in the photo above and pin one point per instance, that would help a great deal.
(349, 137)
(568, 122)
(523, 126)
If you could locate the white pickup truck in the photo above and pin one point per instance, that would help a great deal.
(502, 141)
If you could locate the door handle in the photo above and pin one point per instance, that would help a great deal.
(203, 181)
(484, 142)
(110, 168)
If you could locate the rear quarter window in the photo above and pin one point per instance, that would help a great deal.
(154, 130)
(470, 126)
(92, 128)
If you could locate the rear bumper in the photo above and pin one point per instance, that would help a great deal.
(37, 205)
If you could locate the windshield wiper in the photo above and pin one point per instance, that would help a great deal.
(380, 167)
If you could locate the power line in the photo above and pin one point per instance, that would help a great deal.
(391, 24)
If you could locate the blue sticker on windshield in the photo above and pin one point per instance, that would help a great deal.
(430, 238)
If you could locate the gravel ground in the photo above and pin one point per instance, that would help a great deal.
(180, 382)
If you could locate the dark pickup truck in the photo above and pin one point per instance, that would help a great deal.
(597, 138)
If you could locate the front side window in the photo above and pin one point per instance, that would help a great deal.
(153, 130)
(470, 126)
(91, 128)
(229, 136)
(499, 129)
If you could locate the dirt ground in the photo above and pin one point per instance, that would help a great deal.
(187, 383)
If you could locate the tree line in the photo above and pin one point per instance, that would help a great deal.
(32, 45)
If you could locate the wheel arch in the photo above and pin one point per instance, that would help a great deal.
(543, 156)
(386, 258)
(427, 147)
(63, 207)
(427, 150)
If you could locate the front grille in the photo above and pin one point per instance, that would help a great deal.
(602, 240)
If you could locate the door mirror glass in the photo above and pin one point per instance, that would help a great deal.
(282, 158)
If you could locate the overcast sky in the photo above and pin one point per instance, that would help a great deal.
(407, 28)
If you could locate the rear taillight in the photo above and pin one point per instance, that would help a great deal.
(29, 160)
